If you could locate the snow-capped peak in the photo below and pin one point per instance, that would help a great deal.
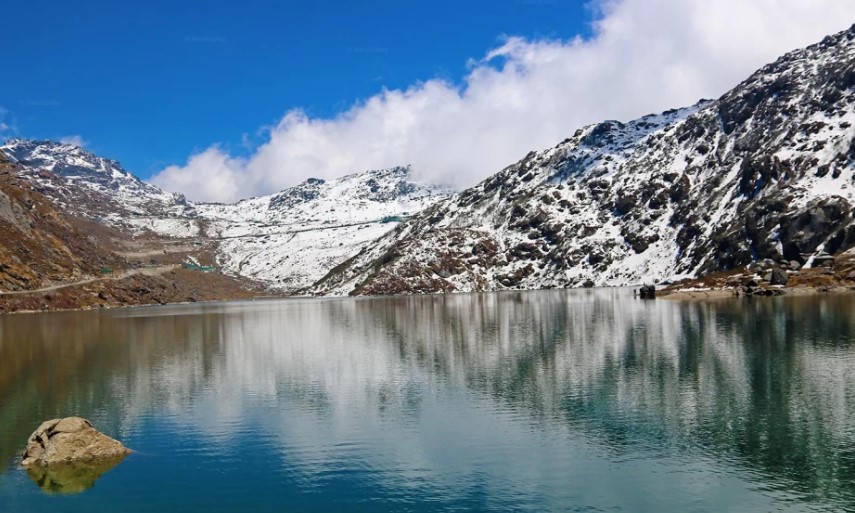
(293, 238)
(98, 186)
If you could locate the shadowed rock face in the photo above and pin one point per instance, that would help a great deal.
(70, 441)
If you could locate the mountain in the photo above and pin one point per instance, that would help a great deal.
(51, 258)
(39, 244)
(291, 239)
(766, 171)
(287, 240)
(94, 187)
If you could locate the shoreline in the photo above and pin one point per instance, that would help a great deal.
(181, 287)
(142, 305)
(669, 294)
(834, 275)
(732, 293)
(165, 285)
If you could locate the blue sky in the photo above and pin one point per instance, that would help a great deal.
(225, 100)
(149, 83)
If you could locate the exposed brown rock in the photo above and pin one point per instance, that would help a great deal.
(51, 260)
(739, 282)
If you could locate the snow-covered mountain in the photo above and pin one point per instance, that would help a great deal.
(93, 186)
(766, 171)
(291, 239)
(286, 240)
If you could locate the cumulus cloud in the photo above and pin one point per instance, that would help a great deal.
(76, 140)
(643, 56)
(210, 176)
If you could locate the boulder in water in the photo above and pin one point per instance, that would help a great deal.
(70, 440)
(647, 292)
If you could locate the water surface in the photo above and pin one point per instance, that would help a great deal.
(536, 401)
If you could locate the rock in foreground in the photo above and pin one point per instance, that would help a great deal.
(70, 440)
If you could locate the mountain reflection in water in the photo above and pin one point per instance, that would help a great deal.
(528, 401)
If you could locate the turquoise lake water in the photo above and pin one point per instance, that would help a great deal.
(584, 401)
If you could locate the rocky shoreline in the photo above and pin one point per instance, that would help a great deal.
(821, 273)
(173, 287)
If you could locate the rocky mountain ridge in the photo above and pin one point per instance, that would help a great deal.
(38, 244)
(766, 171)
(103, 189)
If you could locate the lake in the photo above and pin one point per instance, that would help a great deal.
(584, 400)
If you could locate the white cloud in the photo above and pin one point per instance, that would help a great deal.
(644, 56)
(76, 140)
(7, 124)
(211, 176)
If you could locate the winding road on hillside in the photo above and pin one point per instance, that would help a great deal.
(146, 271)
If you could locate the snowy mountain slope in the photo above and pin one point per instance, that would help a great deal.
(292, 239)
(101, 187)
(766, 171)
(287, 240)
